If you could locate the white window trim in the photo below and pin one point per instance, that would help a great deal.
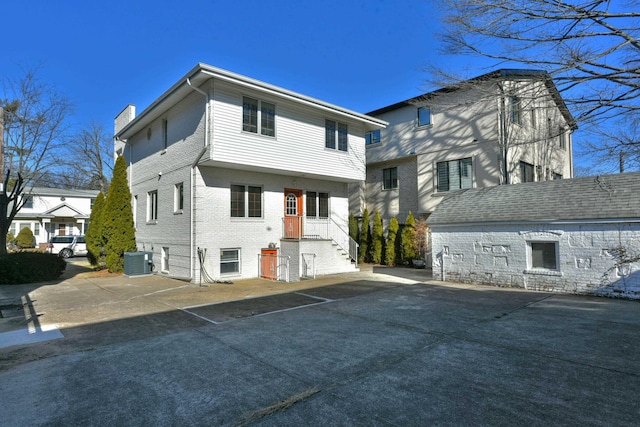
(258, 131)
(164, 268)
(336, 135)
(150, 207)
(426, 125)
(397, 179)
(239, 260)
(246, 216)
(176, 198)
(371, 134)
(539, 270)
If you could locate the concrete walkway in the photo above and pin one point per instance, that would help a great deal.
(378, 347)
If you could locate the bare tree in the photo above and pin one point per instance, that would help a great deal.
(590, 47)
(34, 122)
(91, 154)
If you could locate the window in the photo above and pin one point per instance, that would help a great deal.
(330, 134)
(534, 120)
(249, 115)
(252, 121)
(229, 261)
(372, 137)
(165, 259)
(331, 127)
(317, 204)
(526, 172)
(152, 205)
(28, 202)
(455, 174)
(544, 255)
(562, 138)
(165, 135)
(424, 116)
(246, 201)
(268, 119)
(555, 175)
(343, 137)
(178, 197)
(135, 211)
(312, 203)
(515, 109)
(390, 178)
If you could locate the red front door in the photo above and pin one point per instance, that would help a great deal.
(292, 213)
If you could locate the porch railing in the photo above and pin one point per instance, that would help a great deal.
(300, 227)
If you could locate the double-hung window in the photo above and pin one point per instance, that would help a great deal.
(454, 174)
(246, 201)
(317, 204)
(336, 132)
(372, 137)
(229, 261)
(152, 206)
(390, 178)
(258, 116)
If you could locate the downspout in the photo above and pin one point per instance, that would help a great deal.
(192, 180)
(503, 134)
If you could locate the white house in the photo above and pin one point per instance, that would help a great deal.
(579, 235)
(235, 178)
(507, 126)
(54, 212)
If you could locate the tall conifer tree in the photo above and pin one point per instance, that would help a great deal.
(94, 236)
(364, 237)
(117, 219)
(377, 238)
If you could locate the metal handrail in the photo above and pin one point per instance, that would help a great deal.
(297, 227)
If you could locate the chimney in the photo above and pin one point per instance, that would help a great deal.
(123, 119)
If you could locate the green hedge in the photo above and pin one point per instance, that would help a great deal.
(29, 267)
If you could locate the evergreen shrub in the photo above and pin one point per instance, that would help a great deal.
(30, 267)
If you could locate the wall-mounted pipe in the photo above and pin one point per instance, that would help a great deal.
(192, 180)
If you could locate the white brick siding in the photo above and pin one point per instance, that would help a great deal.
(497, 255)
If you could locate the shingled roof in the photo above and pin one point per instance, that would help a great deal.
(590, 198)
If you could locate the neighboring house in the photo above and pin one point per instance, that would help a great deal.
(563, 236)
(507, 126)
(235, 178)
(52, 212)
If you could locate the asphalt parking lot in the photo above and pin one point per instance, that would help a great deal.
(384, 347)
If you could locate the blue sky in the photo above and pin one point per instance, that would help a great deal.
(361, 55)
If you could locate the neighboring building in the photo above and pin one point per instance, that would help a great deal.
(563, 236)
(235, 178)
(508, 126)
(54, 212)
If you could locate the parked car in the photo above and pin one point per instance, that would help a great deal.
(68, 246)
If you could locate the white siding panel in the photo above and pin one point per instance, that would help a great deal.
(297, 147)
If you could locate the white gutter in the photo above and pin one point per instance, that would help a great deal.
(192, 180)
